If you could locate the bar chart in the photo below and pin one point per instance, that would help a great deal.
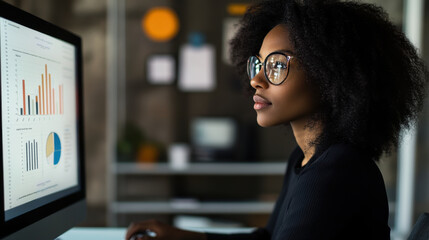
(32, 155)
(43, 100)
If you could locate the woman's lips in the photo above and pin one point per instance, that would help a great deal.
(260, 102)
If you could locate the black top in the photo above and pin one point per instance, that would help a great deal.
(338, 194)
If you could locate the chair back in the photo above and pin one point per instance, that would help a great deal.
(421, 228)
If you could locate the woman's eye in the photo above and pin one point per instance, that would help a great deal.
(280, 65)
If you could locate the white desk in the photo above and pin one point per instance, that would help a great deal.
(119, 233)
(94, 234)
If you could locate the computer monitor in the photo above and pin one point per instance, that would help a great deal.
(42, 180)
(214, 138)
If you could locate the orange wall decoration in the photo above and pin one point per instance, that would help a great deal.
(160, 24)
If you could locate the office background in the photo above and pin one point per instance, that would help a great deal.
(142, 119)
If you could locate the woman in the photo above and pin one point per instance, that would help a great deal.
(347, 81)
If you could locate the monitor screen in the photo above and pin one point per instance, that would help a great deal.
(41, 120)
(216, 133)
(214, 138)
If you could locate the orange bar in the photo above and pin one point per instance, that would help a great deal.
(50, 96)
(53, 96)
(23, 94)
(42, 105)
(46, 81)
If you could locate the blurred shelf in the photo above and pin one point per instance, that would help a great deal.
(192, 208)
(266, 168)
(199, 207)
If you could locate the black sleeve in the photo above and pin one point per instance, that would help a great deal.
(321, 208)
(339, 197)
(258, 234)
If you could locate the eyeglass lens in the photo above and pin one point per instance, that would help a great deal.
(254, 65)
(276, 67)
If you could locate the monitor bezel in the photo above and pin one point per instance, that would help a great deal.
(13, 225)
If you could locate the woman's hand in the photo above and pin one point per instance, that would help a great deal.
(163, 231)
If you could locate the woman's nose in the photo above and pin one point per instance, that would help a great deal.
(259, 81)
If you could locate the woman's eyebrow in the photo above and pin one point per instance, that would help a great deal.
(279, 50)
(287, 51)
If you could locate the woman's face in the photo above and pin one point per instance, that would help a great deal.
(292, 100)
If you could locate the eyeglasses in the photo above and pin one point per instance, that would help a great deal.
(276, 67)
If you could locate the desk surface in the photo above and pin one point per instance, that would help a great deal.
(119, 233)
(93, 234)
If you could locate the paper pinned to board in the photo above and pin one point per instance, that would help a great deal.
(161, 69)
(197, 68)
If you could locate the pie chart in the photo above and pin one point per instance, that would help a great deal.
(53, 148)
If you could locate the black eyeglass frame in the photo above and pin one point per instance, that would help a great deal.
(288, 57)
